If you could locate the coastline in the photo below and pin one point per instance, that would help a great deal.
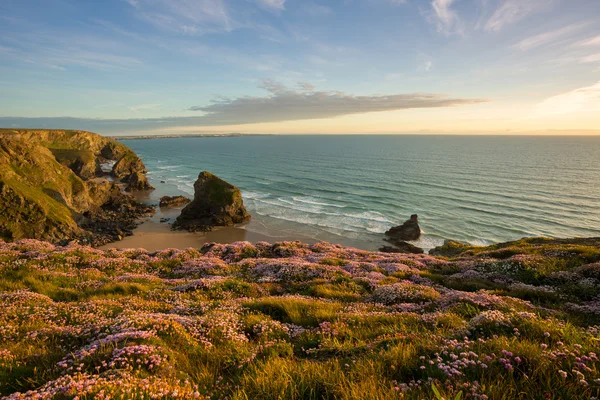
(152, 234)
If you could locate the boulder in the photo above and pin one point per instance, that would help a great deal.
(216, 203)
(409, 230)
(173, 201)
(401, 246)
(137, 181)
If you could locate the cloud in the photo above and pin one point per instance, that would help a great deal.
(512, 11)
(280, 104)
(55, 52)
(445, 18)
(578, 100)
(193, 17)
(274, 5)
(594, 41)
(592, 58)
(144, 107)
(285, 104)
(547, 37)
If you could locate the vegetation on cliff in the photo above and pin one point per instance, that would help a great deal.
(299, 321)
(48, 182)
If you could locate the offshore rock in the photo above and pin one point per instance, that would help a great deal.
(409, 230)
(173, 201)
(216, 203)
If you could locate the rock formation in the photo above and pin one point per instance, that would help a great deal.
(400, 246)
(127, 165)
(216, 203)
(173, 201)
(137, 182)
(48, 188)
(409, 230)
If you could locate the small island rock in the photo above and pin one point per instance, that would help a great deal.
(216, 203)
(409, 230)
(173, 201)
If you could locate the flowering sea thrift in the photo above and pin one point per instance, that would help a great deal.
(293, 320)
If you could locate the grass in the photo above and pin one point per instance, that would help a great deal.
(296, 321)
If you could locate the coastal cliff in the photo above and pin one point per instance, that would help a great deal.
(52, 185)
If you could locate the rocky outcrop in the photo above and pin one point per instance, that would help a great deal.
(216, 203)
(82, 162)
(127, 165)
(137, 182)
(400, 246)
(173, 201)
(48, 184)
(450, 248)
(409, 230)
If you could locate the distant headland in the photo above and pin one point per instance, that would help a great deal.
(179, 135)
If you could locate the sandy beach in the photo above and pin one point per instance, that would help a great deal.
(153, 235)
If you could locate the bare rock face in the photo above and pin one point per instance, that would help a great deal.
(173, 201)
(137, 181)
(216, 203)
(409, 230)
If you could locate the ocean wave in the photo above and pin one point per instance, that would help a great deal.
(312, 200)
(254, 195)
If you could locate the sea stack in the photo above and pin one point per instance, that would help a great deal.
(216, 203)
(409, 230)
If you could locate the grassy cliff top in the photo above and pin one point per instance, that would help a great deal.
(100, 145)
(297, 321)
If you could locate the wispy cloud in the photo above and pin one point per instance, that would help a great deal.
(592, 58)
(512, 11)
(593, 41)
(582, 99)
(547, 38)
(144, 107)
(280, 104)
(194, 17)
(445, 18)
(274, 5)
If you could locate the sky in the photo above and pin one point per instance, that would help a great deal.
(123, 67)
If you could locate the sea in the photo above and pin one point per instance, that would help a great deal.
(350, 189)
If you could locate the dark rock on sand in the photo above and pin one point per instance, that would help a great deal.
(137, 181)
(173, 201)
(216, 203)
(401, 246)
(115, 219)
(409, 230)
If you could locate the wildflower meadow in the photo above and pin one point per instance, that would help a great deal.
(298, 321)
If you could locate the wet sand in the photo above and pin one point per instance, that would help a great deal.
(154, 235)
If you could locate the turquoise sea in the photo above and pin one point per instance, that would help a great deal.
(349, 189)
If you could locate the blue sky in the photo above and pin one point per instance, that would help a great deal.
(291, 66)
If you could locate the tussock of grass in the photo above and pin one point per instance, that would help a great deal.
(293, 321)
